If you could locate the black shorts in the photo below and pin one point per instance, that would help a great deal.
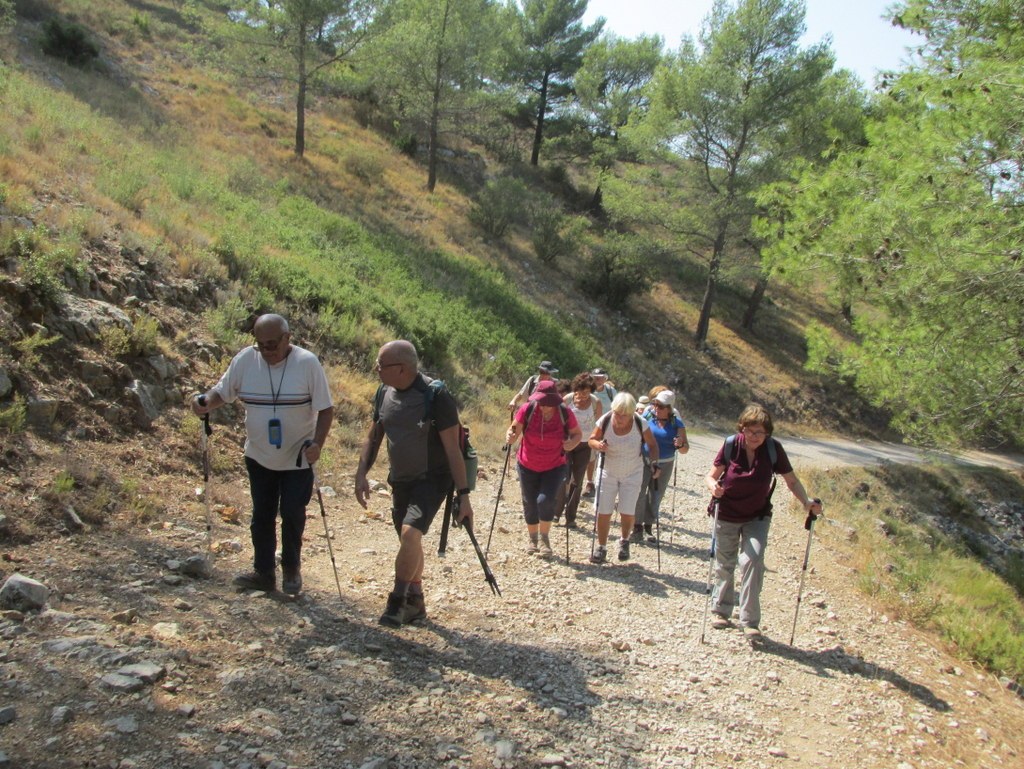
(417, 502)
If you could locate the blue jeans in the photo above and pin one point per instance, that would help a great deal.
(278, 491)
(540, 493)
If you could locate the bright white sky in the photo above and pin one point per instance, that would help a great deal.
(862, 40)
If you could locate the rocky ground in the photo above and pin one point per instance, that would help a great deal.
(135, 665)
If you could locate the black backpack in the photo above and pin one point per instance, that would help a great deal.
(430, 392)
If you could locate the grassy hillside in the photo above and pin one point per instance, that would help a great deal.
(148, 151)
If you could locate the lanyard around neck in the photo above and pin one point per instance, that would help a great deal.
(280, 385)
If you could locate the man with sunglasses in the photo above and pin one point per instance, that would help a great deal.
(426, 465)
(288, 414)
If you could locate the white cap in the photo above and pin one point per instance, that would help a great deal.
(665, 398)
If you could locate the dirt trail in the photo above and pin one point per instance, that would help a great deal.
(576, 665)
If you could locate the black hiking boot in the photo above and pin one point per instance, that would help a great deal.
(256, 580)
(415, 610)
(394, 612)
(291, 581)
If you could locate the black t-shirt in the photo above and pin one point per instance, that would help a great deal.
(414, 446)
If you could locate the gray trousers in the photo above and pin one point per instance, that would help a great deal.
(742, 543)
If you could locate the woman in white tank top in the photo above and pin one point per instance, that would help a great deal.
(587, 409)
(617, 436)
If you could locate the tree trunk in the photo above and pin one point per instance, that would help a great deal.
(700, 338)
(432, 145)
(435, 104)
(754, 303)
(538, 135)
(300, 99)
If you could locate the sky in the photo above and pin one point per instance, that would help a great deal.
(862, 40)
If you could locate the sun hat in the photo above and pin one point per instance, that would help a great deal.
(547, 367)
(546, 393)
(643, 400)
(665, 398)
(599, 372)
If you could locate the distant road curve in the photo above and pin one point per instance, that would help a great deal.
(840, 451)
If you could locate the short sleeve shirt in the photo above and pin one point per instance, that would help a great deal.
(293, 391)
(541, 446)
(665, 435)
(746, 486)
(414, 445)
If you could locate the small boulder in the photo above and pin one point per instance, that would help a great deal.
(23, 593)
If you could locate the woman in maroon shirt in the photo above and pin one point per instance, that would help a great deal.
(742, 483)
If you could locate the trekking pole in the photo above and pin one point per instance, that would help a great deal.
(204, 442)
(675, 472)
(711, 571)
(657, 520)
(569, 493)
(323, 517)
(501, 484)
(809, 525)
(468, 526)
(597, 500)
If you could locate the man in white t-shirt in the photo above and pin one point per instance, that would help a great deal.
(288, 414)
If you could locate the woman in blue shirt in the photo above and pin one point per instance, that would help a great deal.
(670, 433)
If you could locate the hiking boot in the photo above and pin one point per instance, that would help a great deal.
(545, 546)
(256, 580)
(600, 555)
(291, 581)
(720, 622)
(624, 550)
(589, 491)
(752, 632)
(638, 535)
(571, 524)
(415, 609)
(649, 529)
(394, 612)
(532, 548)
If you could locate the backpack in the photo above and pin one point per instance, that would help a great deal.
(637, 421)
(563, 413)
(729, 450)
(430, 392)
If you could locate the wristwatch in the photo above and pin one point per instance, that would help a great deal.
(462, 492)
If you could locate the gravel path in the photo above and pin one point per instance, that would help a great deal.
(576, 665)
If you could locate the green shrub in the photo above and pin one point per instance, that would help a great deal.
(501, 203)
(68, 41)
(552, 233)
(141, 339)
(615, 270)
(28, 348)
(12, 416)
(44, 271)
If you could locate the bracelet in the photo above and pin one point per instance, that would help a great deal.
(462, 492)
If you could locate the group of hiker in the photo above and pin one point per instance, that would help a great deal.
(563, 427)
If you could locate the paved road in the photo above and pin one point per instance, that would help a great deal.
(839, 451)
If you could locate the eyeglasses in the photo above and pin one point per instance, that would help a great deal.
(271, 344)
(754, 433)
(378, 366)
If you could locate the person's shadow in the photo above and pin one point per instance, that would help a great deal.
(826, 663)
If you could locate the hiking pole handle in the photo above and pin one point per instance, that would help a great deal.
(201, 400)
(811, 517)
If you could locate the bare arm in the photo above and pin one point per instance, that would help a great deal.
(797, 488)
(324, 420)
(367, 456)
